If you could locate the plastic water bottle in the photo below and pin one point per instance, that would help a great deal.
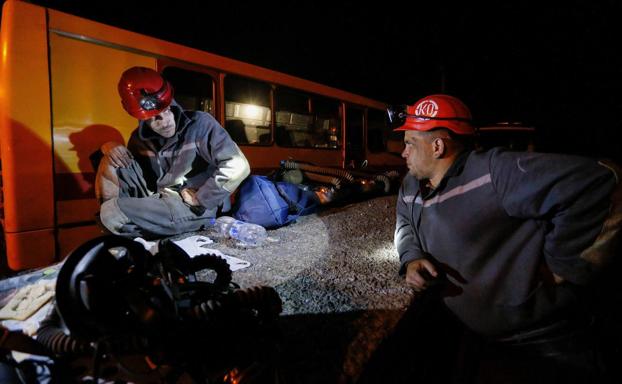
(223, 224)
(246, 233)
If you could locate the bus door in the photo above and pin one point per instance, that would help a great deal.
(355, 137)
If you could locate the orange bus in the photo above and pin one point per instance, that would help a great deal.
(59, 103)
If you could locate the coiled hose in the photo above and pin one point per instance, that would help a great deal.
(316, 173)
(265, 300)
(335, 181)
(291, 164)
(387, 182)
(205, 310)
(51, 335)
(382, 178)
(216, 264)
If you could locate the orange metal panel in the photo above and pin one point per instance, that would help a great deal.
(76, 211)
(162, 49)
(70, 238)
(87, 109)
(32, 249)
(87, 113)
(25, 139)
(384, 159)
(269, 157)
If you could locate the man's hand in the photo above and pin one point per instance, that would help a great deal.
(419, 273)
(189, 195)
(118, 154)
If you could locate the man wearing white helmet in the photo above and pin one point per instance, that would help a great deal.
(515, 236)
(178, 169)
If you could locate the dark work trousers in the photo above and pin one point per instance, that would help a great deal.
(560, 352)
(137, 212)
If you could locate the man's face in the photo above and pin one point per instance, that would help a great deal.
(163, 124)
(418, 154)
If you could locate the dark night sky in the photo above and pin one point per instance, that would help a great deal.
(558, 68)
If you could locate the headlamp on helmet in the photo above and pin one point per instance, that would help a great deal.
(144, 92)
(396, 115)
(153, 101)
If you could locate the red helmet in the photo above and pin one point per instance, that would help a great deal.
(144, 93)
(435, 111)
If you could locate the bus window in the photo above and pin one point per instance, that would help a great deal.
(326, 123)
(377, 130)
(354, 135)
(247, 110)
(380, 135)
(193, 90)
(294, 123)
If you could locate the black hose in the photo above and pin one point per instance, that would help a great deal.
(17, 341)
(335, 181)
(265, 300)
(383, 178)
(205, 310)
(51, 335)
(216, 264)
(291, 164)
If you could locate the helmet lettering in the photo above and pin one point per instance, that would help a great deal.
(427, 108)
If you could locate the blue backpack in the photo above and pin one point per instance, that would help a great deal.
(272, 204)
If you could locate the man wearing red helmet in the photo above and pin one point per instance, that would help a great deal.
(179, 166)
(515, 237)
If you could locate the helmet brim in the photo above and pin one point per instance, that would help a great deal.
(457, 127)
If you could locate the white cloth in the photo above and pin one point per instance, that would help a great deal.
(196, 245)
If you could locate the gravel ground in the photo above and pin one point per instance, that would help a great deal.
(336, 273)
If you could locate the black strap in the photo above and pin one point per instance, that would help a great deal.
(293, 207)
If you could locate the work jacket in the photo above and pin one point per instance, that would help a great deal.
(201, 155)
(498, 224)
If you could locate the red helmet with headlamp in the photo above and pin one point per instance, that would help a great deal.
(435, 111)
(144, 92)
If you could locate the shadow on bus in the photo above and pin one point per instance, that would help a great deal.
(71, 179)
(86, 143)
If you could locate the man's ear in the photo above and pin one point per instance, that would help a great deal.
(439, 148)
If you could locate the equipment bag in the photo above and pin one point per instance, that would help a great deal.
(272, 204)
